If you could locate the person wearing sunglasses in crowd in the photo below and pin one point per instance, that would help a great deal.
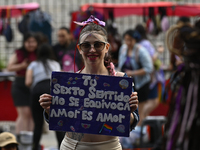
(93, 47)
(8, 141)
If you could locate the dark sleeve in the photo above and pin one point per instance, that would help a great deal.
(135, 114)
(54, 48)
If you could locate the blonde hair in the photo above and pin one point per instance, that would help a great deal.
(182, 36)
(183, 123)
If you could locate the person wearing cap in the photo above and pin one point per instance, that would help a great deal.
(8, 141)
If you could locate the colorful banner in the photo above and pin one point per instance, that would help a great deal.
(93, 104)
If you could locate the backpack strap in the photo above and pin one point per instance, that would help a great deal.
(137, 54)
(137, 58)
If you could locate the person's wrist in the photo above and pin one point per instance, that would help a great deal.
(133, 73)
(132, 115)
(47, 111)
(23, 66)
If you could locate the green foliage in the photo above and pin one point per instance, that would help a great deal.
(157, 64)
(2, 65)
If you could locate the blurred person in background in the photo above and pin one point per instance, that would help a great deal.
(176, 60)
(38, 76)
(115, 43)
(137, 63)
(8, 141)
(66, 46)
(183, 127)
(153, 100)
(41, 38)
(19, 62)
(183, 20)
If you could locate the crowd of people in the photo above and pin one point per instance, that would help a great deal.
(137, 58)
(33, 64)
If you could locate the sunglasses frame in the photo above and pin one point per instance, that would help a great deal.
(93, 45)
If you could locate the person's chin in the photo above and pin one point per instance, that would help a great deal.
(93, 62)
(31, 50)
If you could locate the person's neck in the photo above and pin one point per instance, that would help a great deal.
(130, 48)
(96, 69)
(66, 44)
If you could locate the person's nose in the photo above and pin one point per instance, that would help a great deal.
(92, 49)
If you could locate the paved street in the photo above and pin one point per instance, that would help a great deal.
(49, 141)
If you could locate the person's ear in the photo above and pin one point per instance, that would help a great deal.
(107, 47)
(79, 49)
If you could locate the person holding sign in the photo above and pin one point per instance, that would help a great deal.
(93, 47)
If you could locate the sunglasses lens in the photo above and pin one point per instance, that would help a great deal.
(85, 46)
(99, 46)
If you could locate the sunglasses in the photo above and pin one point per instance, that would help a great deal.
(98, 46)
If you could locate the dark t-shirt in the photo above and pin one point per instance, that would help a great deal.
(21, 56)
(127, 64)
(61, 50)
